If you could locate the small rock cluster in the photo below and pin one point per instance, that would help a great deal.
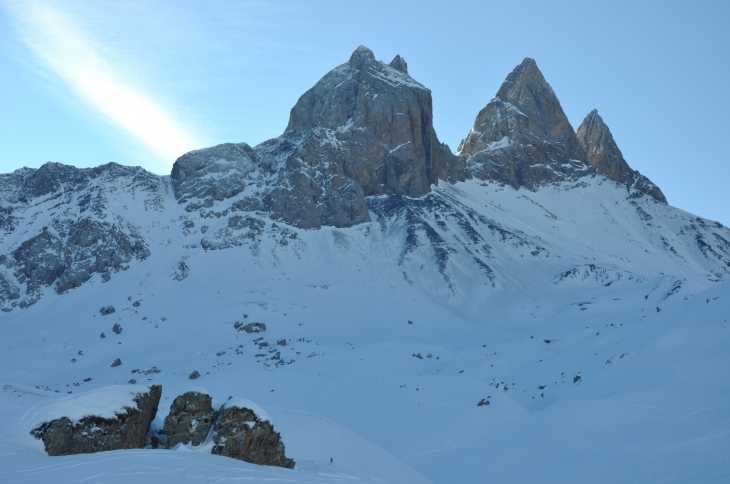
(236, 431)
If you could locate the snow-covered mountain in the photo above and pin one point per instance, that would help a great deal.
(400, 285)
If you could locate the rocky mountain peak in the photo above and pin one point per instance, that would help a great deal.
(351, 89)
(400, 64)
(366, 128)
(360, 57)
(607, 159)
(371, 124)
(523, 137)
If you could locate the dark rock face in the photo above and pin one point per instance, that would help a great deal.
(240, 434)
(107, 310)
(364, 129)
(190, 419)
(96, 434)
(81, 240)
(522, 137)
(374, 122)
(68, 256)
(607, 159)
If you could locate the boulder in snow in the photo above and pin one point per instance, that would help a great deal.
(107, 310)
(244, 432)
(253, 328)
(110, 418)
(190, 419)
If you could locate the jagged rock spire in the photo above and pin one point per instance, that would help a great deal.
(522, 137)
(399, 63)
(607, 159)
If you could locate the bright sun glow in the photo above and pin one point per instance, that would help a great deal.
(58, 41)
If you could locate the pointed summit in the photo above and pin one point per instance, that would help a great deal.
(523, 137)
(607, 159)
(400, 64)
(603, 153)
(332, 101)
(360, 57)
(373, 123)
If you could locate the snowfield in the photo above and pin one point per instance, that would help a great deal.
(593, 320)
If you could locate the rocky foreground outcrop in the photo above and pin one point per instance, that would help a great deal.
(241, 434)
(116, 418)
(190, 419)
(238, 431)
(607, 159)
(94, 433)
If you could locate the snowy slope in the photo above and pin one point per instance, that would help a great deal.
(395, 330)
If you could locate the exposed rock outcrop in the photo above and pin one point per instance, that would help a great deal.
(522, 137)
(607, 159)
(106, 310)
(9, 293)
(128, 430)
(230, 165)
(69, 252)
(366, 128)
(83, 187)
(81, 238)
(250, 327)
(240, 433)
(190, 419)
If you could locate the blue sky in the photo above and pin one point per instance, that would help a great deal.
(141, 82)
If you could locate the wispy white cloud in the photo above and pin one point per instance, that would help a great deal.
(60, 42)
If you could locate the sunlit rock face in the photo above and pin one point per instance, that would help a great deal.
(366, 128)
(522, 137)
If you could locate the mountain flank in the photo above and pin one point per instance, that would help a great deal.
(359, 148)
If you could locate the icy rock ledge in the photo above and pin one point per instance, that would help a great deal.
(110, 418)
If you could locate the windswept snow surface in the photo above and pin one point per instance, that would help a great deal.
(595, 325)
